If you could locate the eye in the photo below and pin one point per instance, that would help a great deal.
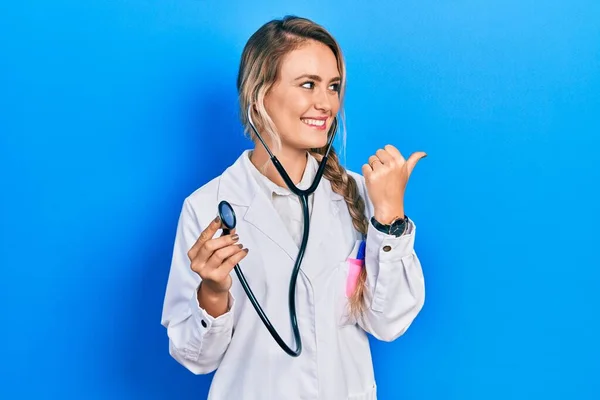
(335, 87)
(308, 85)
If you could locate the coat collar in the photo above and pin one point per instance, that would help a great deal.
(239, 187)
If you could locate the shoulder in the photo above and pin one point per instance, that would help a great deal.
(360, 182)
(362, 190)
(205, 193)
(232, 184)
(200, 206)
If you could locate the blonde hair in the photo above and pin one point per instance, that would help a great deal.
(258, 72)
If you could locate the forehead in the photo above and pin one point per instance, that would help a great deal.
(313, 58)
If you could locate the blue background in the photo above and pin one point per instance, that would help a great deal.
(112, 112)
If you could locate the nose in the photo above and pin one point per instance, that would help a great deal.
(322, 101)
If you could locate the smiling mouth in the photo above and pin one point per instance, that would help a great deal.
(314, 123)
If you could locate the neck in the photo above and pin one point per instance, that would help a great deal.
(293, 160)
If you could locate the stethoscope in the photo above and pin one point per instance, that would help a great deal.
(228, 220)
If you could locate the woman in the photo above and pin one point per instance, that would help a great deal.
(292, 79)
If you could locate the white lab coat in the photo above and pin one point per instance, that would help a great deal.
(336, 360)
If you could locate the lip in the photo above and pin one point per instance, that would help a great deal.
(317, 118)
(318, 128)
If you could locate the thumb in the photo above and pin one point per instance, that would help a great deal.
(413, 159)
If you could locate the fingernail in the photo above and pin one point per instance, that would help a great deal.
(235, 237)
(217, 219)
(246, 250)
(241, 246)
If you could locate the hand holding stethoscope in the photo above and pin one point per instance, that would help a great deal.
(213, 258)
(386, 176)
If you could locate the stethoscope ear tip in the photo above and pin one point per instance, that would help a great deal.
(227, 215)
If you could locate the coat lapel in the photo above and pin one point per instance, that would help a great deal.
(327, 205)
(241, 190)
(263, 216)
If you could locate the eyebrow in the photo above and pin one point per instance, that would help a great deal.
(316, 78)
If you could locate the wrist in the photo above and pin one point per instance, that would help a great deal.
(209, 296)
(397, 227)
(387, 217)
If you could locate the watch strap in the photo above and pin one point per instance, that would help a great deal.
(396, 228)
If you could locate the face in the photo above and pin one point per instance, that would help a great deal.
(304, 100)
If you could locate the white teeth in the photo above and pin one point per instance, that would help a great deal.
(314, 122)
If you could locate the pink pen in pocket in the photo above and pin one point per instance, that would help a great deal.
(356, 262)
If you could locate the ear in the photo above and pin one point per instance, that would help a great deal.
(252, 110)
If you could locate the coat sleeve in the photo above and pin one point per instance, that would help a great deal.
(196, 340)
(395, 286)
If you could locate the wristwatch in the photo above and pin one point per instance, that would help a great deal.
(395, 228)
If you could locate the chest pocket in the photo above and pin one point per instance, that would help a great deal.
(348, 280)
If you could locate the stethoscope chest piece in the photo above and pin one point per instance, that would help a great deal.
(227, 216)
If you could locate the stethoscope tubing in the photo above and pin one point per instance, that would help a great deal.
(303, 197)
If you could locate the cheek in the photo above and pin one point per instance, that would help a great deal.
(335, 105)
(284, 110)
(297, 106)
(291, 112)
(271, 107)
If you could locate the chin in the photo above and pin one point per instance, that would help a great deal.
(313, 140)
(314, 144)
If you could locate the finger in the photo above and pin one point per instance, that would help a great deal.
(230, 262)
(231, 232)
(394, 152)
(384, 156)
(206, 235)
(218, 257)
(413, 159)
(374, 162)
(367, 171)
(216, 244)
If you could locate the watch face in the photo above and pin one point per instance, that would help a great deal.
(398, 227)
